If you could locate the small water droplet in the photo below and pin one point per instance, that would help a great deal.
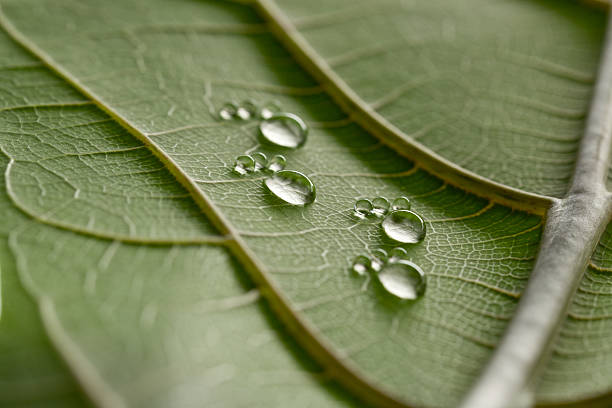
(379, 258)
(292, 187)
(228, 111)
(276, 163)
(246, 110)
(269, 109)
(284, 130)
(363, 207)
(361, 265)
(398, 253)
(244, 164)
(401, 203)
(403, 279)
(381, 206)
(261, 160)
(404, 226)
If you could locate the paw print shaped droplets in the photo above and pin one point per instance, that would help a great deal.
(280, 130)
(394, 271)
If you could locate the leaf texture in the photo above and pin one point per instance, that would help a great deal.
(155, 312)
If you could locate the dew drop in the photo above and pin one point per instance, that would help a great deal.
(361, 265)
(401, 203)
(381, 206)
(276, 163)
(246, 110)
(397, 253)
(244, 164)
(292, 187)
(261, 161)
(403, 279)
(379, 258)
(269, 109)
(284, 130)
(362, 208)
(228, 111)
(404, 226)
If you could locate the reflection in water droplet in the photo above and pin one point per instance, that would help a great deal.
(404, 226)
(361, 265)
(401, 203)
(381, 206)
(269, 109)
(403, 279)
(284, 130)
(261, 161)
(292, 187)
(246, 110)
(362, 208)
(379, 259)
(276, 163)
(244, 164)
(228, 111)
(397, 253)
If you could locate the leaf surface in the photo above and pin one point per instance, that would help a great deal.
(161, 71)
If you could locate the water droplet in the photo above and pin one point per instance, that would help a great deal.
(269, 109)
(381, 206)
(363, 207)
(284, 130)
(403, 279)
(379, 259)
(246, 110)
(398, 253)
(261, 161)
(404, 226)
(292, 187)
(228, 111)
(244, 164)
(361, 265)
(401, 203)
(276, 163)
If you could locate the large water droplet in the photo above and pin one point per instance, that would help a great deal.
(292, 187)
(379, 259)
(404, 226)
(381, 206)
(269, 109)
(362, 208)
(244, 164)
(284, 130)
(228, 111)
(403, 279)
(276, 163)
(401, 203)
(361, 265)
(261, 161)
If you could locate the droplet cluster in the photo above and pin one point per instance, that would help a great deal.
(256, 162)
(247, 110)
(397, 275)
(379, 206)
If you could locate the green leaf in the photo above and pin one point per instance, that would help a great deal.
(149, 305)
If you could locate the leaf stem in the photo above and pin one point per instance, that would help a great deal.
(572, 230)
